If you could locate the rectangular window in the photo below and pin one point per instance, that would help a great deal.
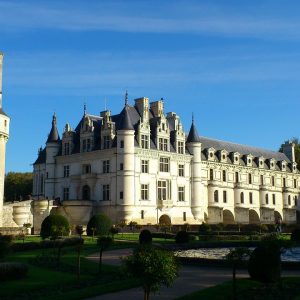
(164, 164)
(86, 169)
(273, 181)
(106, 142)
(251, 198)
(106, 166)
(295, 183)
(88, 145)
(145, 141)
(211, 174)
(145, 166)
(142, 214)
(250, 178)
(84, 146)
(224, 175)
(121, 195)
(105, 191)
(181, 170)
(184, 216)
(121, 167)
(163, 144)
(121, 144)
(66, 171)
(274, 199)
(144, 192)
(162, 190)
(262, 179)
(284, 182)
(180, 147)
(66, 148)
(224, 196)
(237, 177)
(66, 194)
(181, 196)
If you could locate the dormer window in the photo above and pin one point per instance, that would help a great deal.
(294, 167)
(211, 154)
(272, 163)
(223, 155)
(283, 165)
(180, 147)
(106, 142)
(236, 158)
(261, 162)
(163, 144)
(249, 160)
(145, 141)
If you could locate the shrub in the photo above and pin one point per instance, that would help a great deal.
(265, 263)
(193, 237)
(251, 228)
(99, 225)
(12, 270)
(5, 244)
(54, 226)
(264, 228)
(204, 227)
(182, 237)
(145, 237)
(163, 235)
(114, 230)
(295, 236)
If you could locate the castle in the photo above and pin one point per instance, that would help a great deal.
(140, 165)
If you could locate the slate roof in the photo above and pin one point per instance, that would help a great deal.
(2, 112)
(193, 136)
(53, 136)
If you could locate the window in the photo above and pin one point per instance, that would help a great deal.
(273, 181)
(249, 178)
(66, 148)
(106, 142)
(184, 216)
(267, 199)
(145, 141)
(274, 199)
(236, 177)
(163, 126)
(251, 198)
(224, 175)
(164, 164)
(121, 144)
(66, 194)
(224, 196)
(181, 196)
(84, 146)
(145, 166)
(42, 183)
(162, 190)
(242, 198)
(66, 171)
(142, 214)
(121, 167)
(86, 169)
(211, 174)
(295, 183)
(88, 145)
(284, 182)
(121, 195)
(144, 191)
(181, 170)
(180, 147)
(105, 166)
(105, 191)
(216, 196)
(289, 200)
(163, 144)
(262, 179)
(295, 200)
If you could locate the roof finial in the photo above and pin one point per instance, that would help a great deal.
(192, 117)
(126, 98)
(54, 118)
(84, 108)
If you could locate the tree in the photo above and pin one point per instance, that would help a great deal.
(17, 186)
(103, 242)
(235, 257)
(155, 268)
(99, 225)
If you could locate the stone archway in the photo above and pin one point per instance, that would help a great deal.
(228, 217)
(277, 216)
(165, 220)
(253, 217)
(86, 192)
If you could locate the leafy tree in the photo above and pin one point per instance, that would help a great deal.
(103, 242)
(235, 257)
(155, 268)
(99, 225)
(17, 186)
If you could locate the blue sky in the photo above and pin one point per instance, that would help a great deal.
(235, 64)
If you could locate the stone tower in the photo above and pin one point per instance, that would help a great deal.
(4, 134)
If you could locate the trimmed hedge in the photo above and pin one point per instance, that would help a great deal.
(145, 237)
(54, 226)
(162, 235)
(12, 271)
(99, 225)
(182, 237)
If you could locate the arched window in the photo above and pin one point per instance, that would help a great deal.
(289, 200)
(242, 197)
(296, 198)
(267, 199)
(216, 196)
(86, 193)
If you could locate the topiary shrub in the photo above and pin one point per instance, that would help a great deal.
(265, 263)
(12, 270)
(145, 237)
(182, 237)
(295, 236)
(54, 226)
(204, 228)
(99, 225)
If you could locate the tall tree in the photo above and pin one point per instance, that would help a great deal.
(17, 186)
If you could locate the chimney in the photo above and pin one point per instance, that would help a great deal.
(157, 108)
(288, 148)
(142, 105)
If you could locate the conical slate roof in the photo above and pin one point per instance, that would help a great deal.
(193, 136)
(125, 122)
(53, 136)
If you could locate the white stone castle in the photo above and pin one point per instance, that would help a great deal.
(139, 165)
